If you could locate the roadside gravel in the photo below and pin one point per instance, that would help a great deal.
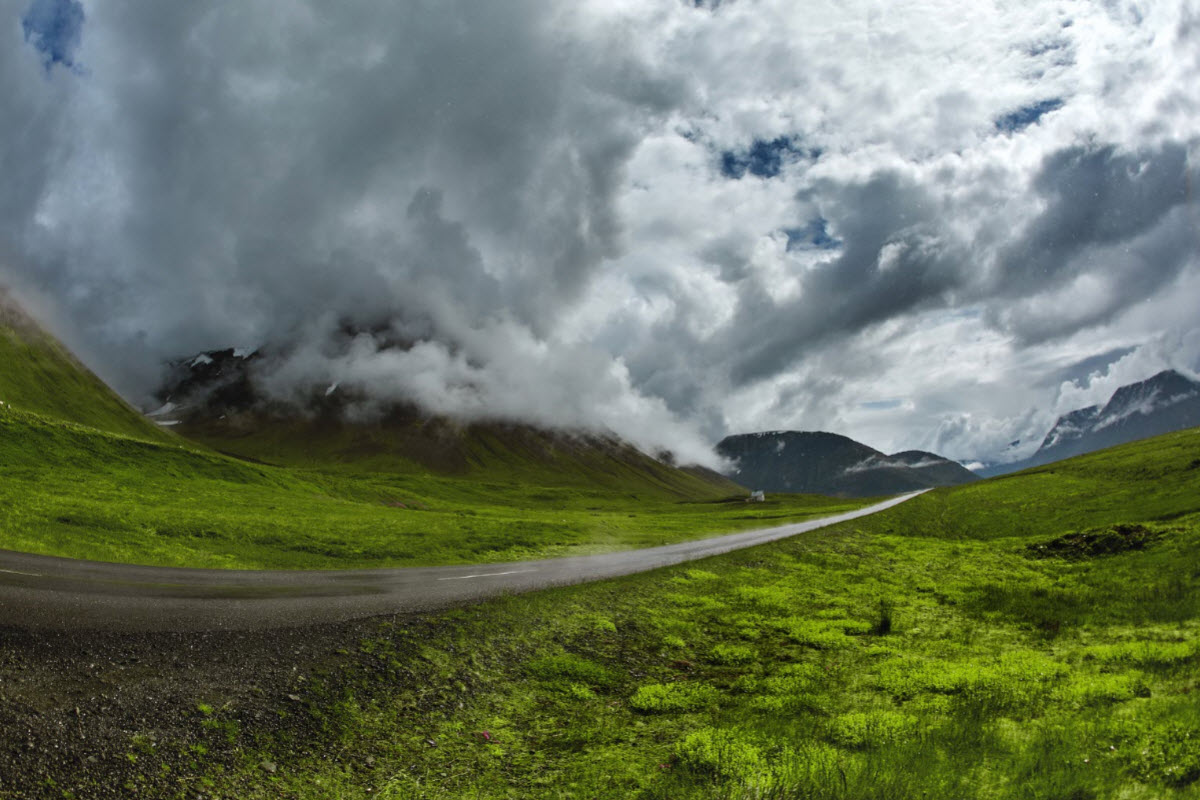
(104, 715)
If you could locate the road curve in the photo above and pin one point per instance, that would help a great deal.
(45, 592)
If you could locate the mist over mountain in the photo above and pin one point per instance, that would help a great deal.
(228, 400)
(828, 463)
(1165, 402)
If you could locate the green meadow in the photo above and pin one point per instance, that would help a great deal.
(71, 490)
(1031, 637)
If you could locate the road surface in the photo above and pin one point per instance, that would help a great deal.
(45, 592)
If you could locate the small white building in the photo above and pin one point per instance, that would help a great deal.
(757, 496)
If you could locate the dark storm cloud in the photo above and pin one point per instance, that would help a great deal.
(1125, 218)
(234, 172)
(1127, 221)
(889, 247)
(1093, 196)
(894, 258)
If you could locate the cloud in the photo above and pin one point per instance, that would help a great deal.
(902, 223)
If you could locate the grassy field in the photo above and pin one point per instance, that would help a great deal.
(71, 490)
(1031, 637)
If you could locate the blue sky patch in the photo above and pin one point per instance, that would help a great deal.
(1027, 115)
(814, 235)
(881, 405)
(764, 159)
(54, 28)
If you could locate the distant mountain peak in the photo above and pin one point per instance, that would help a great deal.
(820, 462)
(1165, 388)
(1165, 402)
(1071, 426)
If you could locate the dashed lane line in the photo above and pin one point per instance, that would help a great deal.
(486, 575)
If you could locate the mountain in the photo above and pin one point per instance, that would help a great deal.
(934, 469)
(39, 374)
(827, 463)
(1168, 401)
(215, 398)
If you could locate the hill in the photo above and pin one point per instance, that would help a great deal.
(1168, 401)
(37, 373)
(213, 398)
(828, 463)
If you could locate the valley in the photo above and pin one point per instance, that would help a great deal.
(957, 645)
(1032, 635)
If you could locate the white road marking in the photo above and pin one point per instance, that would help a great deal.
(486, 575)
(18, 572)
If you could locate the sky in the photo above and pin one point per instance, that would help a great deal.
(932, 225)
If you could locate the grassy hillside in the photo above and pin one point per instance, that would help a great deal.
(71, 490)
(407, 442)
(1032, 637)
(38, 374)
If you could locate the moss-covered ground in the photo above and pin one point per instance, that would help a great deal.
(973, 643)
(71, 490)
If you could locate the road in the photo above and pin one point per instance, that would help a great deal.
(45, 592)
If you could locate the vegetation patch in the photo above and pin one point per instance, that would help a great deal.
(572, 668)
(1105, 541)
(665, 698)
(867, 729)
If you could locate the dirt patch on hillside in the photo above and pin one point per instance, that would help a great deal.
(1097, 542)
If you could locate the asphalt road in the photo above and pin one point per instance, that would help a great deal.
(44, 592)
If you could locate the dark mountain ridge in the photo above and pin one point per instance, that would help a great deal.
(828, 463)
(216, 398)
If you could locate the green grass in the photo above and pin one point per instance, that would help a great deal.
(771, 672)
(70, 490)
(408, 442)
(38, 374)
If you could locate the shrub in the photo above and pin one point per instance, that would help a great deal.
(1144, 653)
(1097, 542)
(1170, 756)
(773, 598)
(732, 654)
(872, 728)
(883, 623)
(571, 668)
(1089, 690)
(665, 698)
(722, 753)
(812, 633)
(701, 575)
